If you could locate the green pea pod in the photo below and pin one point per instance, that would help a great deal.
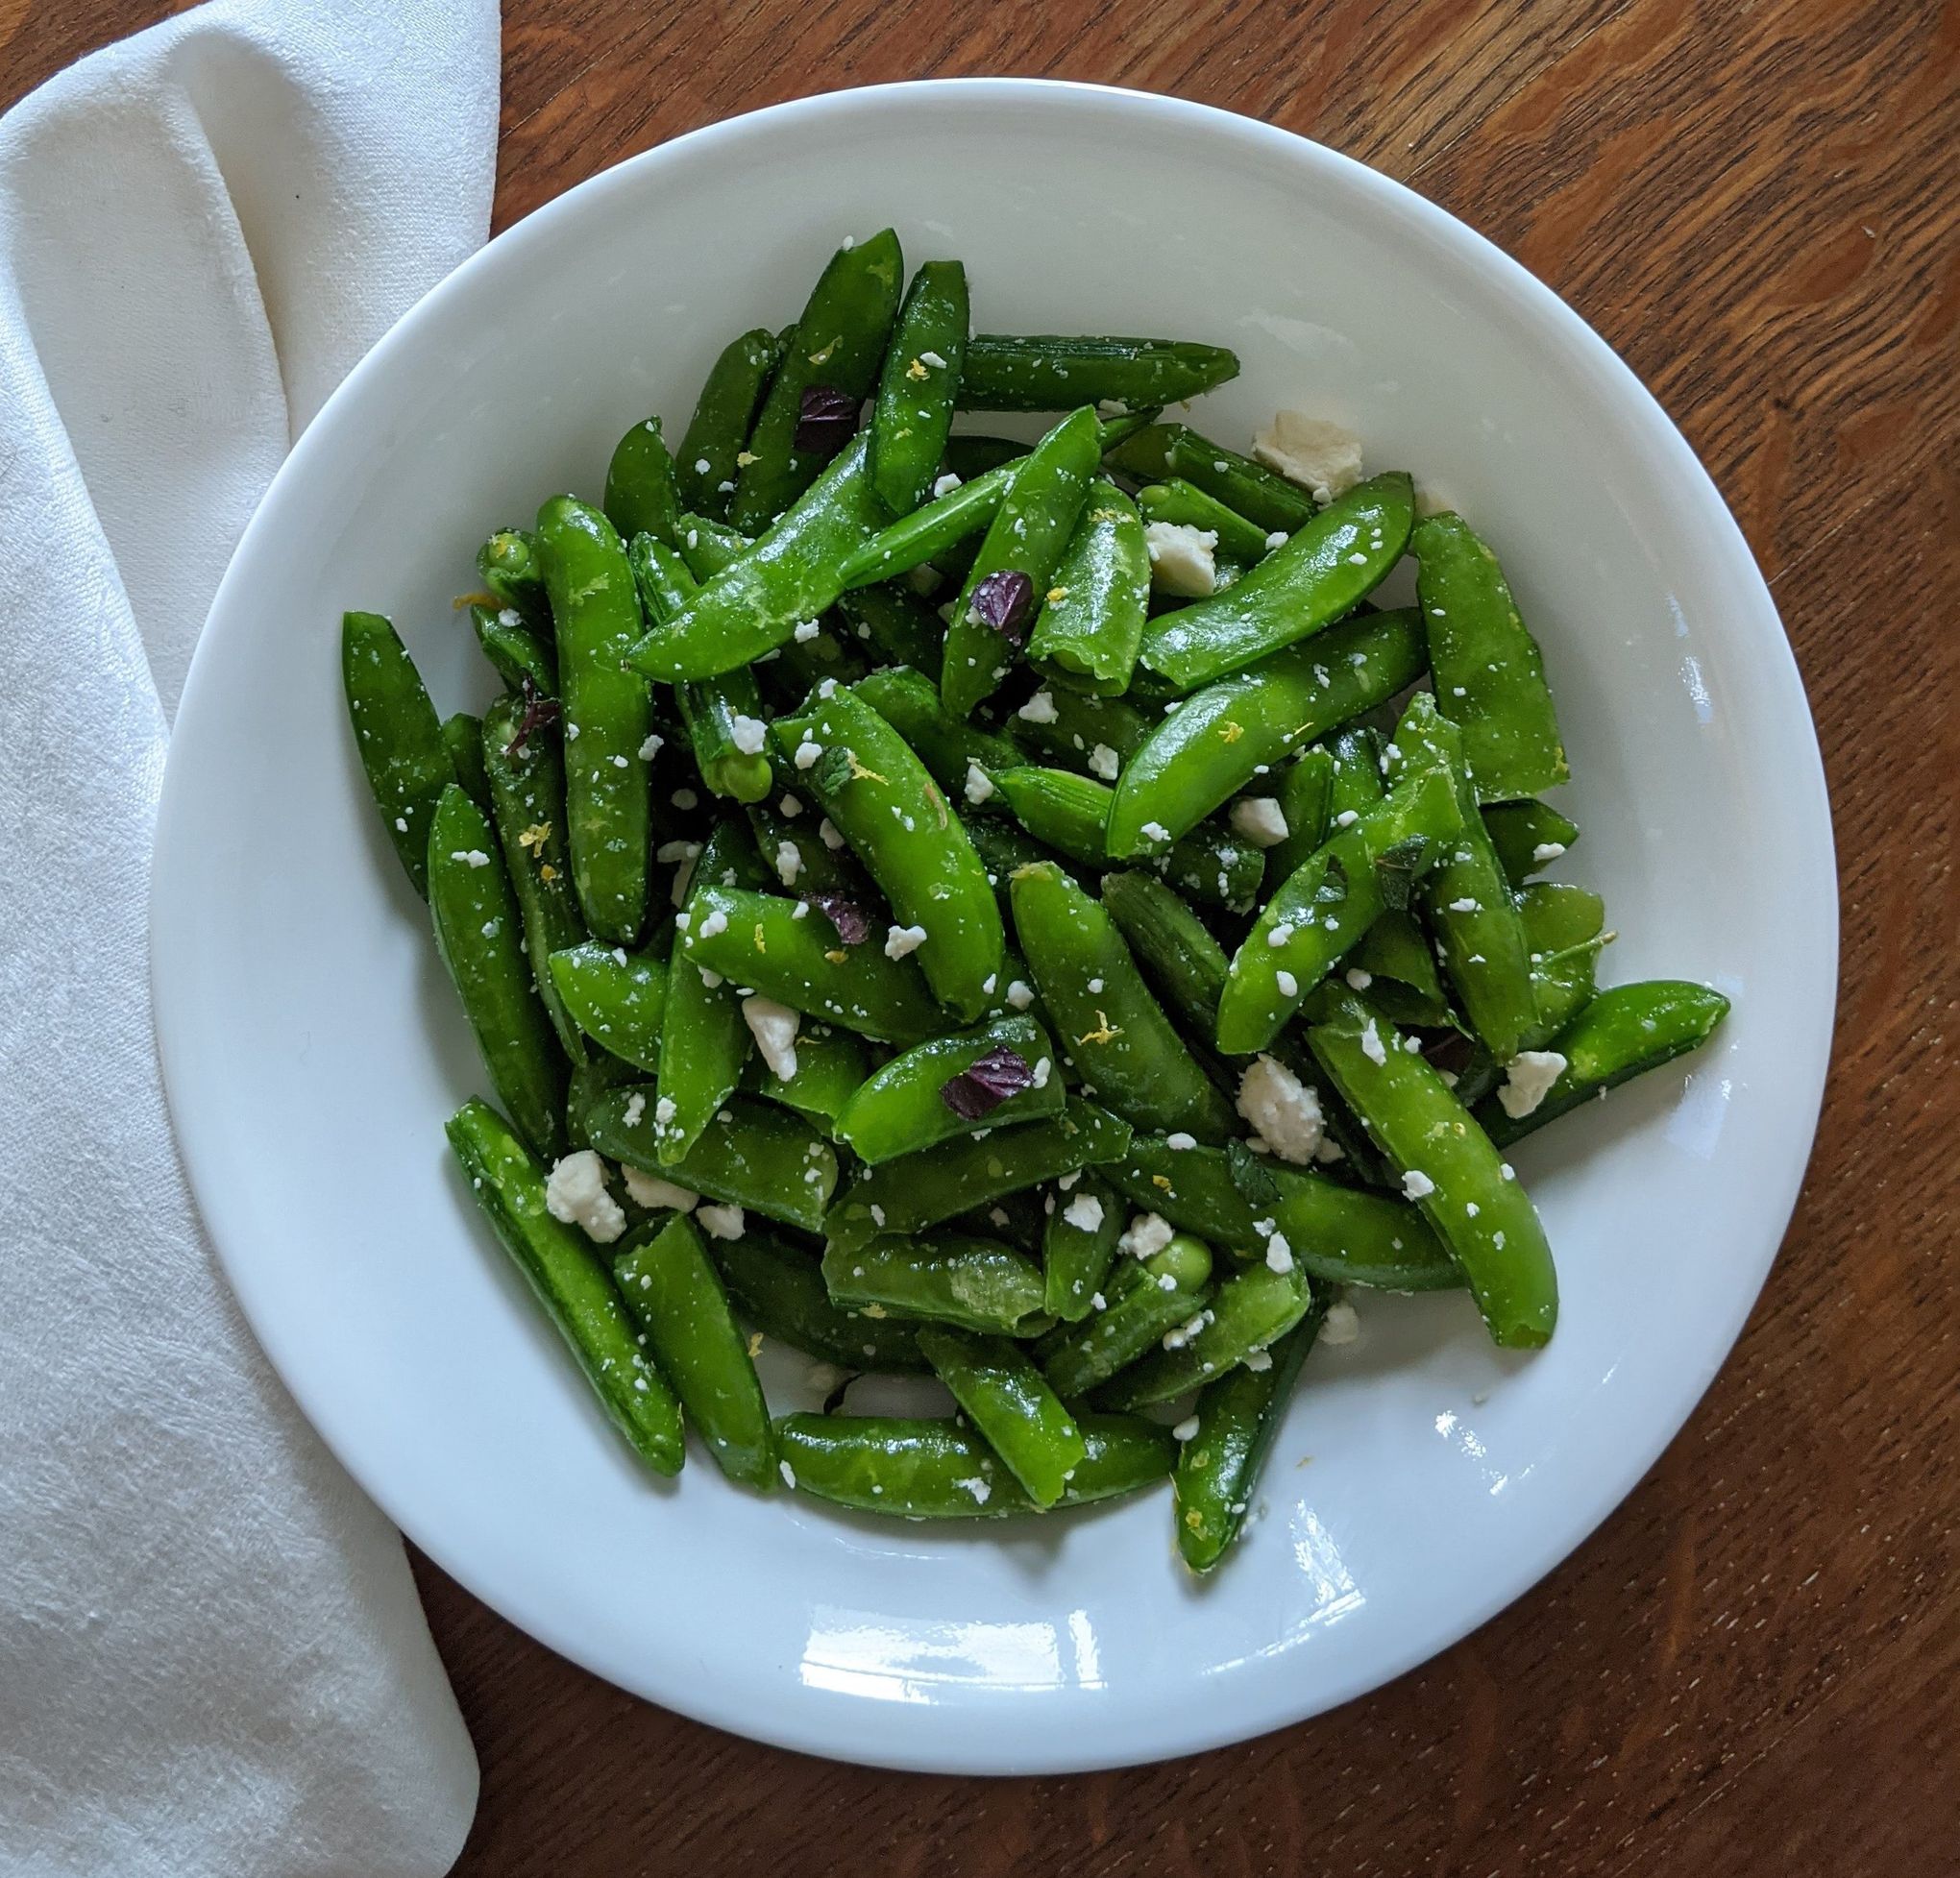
(1052, 371)
(760, 1158)
(924, 1468)
(641, 496)
(723, 414)
(397, 735)
(565, 1273)
(1144, 1302)
(526, 777)
(1305, 796)
(1323, 573)
(838, 344)
(703, 1039)
(796, 852)
(831, 1067)
(515, 650)
(914, 409)
(478, 932)
(607, 715)
(1620, 1034)
(1219, 1466)
(905, 1107)
(1078, 1243)
(1489, 673)
(1558, 916)
(1325, 906)
(1011, 1406)
(788, 575)
(1394, 954)
(1002, 847)
(793, 953)
(1183, 504)
(896, 820)
(1113, 1028)
(1174, 947)
(980, 1285)
(1091, 620)
(708, 545)
(1030, 531)
(1467, 900)
(1448, 1166)
(1564, 927)
(675, 1294)
(780, 1290)
(949, 746)
(588, 1081)
(1248, 1313)
(796, 668)
(895, 627)
(1069, 814)
(1081, 730)
(462, 736)
(1260, 495)
(928, 533)
(1356, 785)
(508, 565)
(617, 998)
(1338, 1233)
(1562, 985)
(1528, 837)
(1218, 739)
(923, 1189)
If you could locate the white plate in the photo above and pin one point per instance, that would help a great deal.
(312, 1049)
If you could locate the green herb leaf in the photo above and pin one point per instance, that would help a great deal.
(831, 771)
(1256, 1186)
(1398, 868)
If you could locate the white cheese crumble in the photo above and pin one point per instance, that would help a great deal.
(979, 784)
(1187, 1429)
(1416, 1184)
(789, 862)
(946, 484)
(1281, 1109)
(1180, 1140)
(652, 1191)
(826, 831)
(978, 1485)
(1085, 1212)
(1105, 763)
(1342, 1324)
(901, 941)
(716, 922)
(748, 735)
(1526, 1079)
(1259, 819)
(1323, 458)
(1157, 832)
(807, 752)
(773, 1027)
(1279, 1255)
(1146, 1235)
(1182, 559)
(1547, 851)
(1039, 709)
(722, 1222)
(650, 745)
(1357, 979)
(1019, 995)
(473, 857)
(576, 1194)
(1372, 1046)
(806, 631)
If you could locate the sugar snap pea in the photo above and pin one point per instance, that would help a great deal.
(397, 735)
(617, 998)
(836, 347)
(1051, 372)
(963, 511)
(1184, 504)
(1091, 623)
(1260, 495)
(922, 1469)
(930, 1094)
(673, 1290)
(1173, 946)
(462, 736)
(1489, 672)
(1333, 562)
(1219, 1464)
(1448, 1167)
(607, 715)
(949, 746)
(895, 627)
(723, 414)
(708, 545)
(780, 1289)
(1143, 1301)
(515, 650)
(1528, 837)
(1080, 731)
(1218, 739)
(1112, 1027)
(1304, 797)
(1009, 1402)
(923, 1190)
(945, 1278)
(1249, 1311)
(565, 1273)
(508, 565)
(896, 820)
(1078, 1243)
(913, 412)
(641, 496)
(831, 1067)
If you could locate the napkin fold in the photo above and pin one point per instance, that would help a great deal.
(211, 1656)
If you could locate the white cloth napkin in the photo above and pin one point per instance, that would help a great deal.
(212, 1657)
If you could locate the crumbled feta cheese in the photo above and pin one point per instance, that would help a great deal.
(1526, 1079)
(1342, 1324)
(716, 922)
(826, 831)
(1279, 1255)
(576, 1193)
(1019, 995)
(1182, 558)
(1416, 1184)
(1259, 819)
(1357, 979)
(790, 807)
(1085, 1212)
(1105, 763)
(748, 735)
(806, 631)
(901, 941)
(473, 857)
(1372, 1046)
(1187, 1429)
(1289, 985)
(651, 1190)
(1347, 819)
(978, 1485)
(1321, 457)
(788, 1472)
(1466, 905)
(1039, 709)
(1156, 832)
(1280, 934)
(979, 784)
(650, 745)
(806, 753)
(1180, 1140)
(789, 864)
(664, 1111)
(933, 359)
(1041, 1071)
(773, 1027)
(722, 1222)
(1278, 538)
(1547, 851)
(1258, 1360)
(1146, 1234)
(946, 484)
(1281, 1109)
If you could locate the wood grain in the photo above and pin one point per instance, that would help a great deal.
(1751, 1668)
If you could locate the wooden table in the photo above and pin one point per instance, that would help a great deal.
(1752, 1668)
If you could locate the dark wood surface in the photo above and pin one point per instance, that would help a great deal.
(1754, 1665)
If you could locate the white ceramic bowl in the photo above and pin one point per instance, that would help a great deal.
(312, 1049)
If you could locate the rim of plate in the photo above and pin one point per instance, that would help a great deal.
(1018, 1748)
